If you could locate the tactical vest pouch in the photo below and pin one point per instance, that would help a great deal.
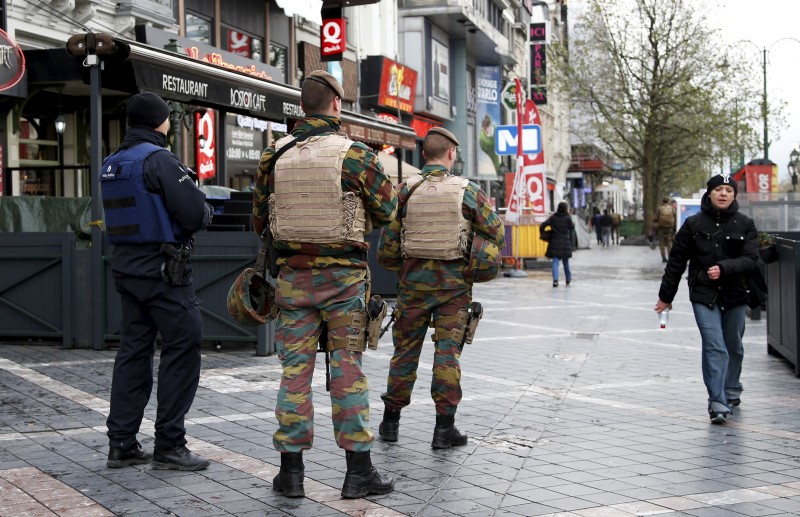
(457, 333)
(476, 313)
(353, 342)
(175, 258)
(376, 308)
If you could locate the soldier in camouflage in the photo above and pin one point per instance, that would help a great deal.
(440, 218)
(319, 198)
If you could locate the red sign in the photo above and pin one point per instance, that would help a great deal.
(12, 62)
(760, 178)
(526, 189)
(238, 43)
(533, 167)
(422, 125)
(218, 59)
(332, 39)
(398, 86)
(205, 147)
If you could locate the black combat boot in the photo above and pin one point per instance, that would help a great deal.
(362, 479)
(445, 434)
(289, 480)
(390, 425)
(177, 458)
(118, 457)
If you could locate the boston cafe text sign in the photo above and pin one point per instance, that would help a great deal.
(187, 86)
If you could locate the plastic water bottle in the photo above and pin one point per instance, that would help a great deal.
(663, 318)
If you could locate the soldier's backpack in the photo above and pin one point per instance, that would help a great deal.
(666, 217)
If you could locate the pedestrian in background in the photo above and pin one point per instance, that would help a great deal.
(605, 227)
(152, 210)
(720, 245)
(664, 220)
(559, 247)
(595, 223)
(323, 283)
(616, 222)
(445, 237)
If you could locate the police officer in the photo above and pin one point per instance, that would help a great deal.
(152, 209)
(320, 197)
(446, 236)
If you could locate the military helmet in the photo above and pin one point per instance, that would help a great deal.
(484, 260)
(251, 299)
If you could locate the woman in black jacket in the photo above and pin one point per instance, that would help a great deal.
(720, 245)
(559, 247)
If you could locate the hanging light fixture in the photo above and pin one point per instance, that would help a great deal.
(60, 124)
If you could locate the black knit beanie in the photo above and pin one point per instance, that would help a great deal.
(722, 179)
(147, 109)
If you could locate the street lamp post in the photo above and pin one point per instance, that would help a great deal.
(764, 106)
(794, 163)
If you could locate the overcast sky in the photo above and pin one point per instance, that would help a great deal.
(764, 22)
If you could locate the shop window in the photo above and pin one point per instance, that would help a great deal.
(244, 44)
(198, 28)
(277, 56)
(40, 174)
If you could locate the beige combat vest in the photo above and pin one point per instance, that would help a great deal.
(307, 204)
(433, 226)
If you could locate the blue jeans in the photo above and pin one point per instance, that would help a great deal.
(721, 334)
(567, 272)
(606, 233)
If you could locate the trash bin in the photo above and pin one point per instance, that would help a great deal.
(783, 299)
(631, 227)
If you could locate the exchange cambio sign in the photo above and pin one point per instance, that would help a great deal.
(332, 37)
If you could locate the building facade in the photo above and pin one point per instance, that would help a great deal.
(231, 77)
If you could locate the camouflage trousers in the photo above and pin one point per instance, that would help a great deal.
(306, 298)
(415, 311)
(665, 241)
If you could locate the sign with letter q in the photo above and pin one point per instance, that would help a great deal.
(535, 188)
(332, 36)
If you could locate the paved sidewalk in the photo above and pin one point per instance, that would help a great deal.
(575, 404)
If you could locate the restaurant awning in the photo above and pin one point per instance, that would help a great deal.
(138, 67)
(390, 167)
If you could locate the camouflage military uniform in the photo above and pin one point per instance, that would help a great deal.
(428, 289)
(321, 282)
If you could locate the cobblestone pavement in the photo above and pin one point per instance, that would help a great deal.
(575, 404)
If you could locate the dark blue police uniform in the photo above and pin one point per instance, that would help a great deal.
(149, 198)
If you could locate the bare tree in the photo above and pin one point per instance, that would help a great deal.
(647, 76)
